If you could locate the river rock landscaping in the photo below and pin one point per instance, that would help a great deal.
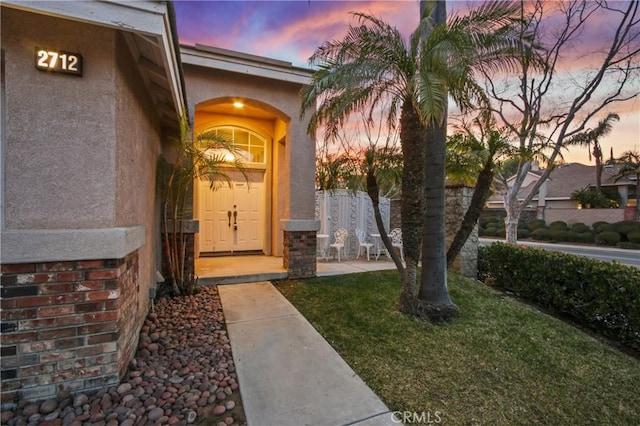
(183, 373)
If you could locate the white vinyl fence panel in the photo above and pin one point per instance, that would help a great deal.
(345, 209)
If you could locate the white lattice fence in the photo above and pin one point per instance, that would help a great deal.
(344, 209)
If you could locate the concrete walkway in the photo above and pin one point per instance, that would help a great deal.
(288, 373)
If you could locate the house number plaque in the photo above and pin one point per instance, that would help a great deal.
(58, 61)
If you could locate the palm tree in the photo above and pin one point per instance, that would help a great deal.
(374, 63)
(187, 161)
(331, 171)
(592, 136)
(475, 159)
(378, 170)
(630, 165)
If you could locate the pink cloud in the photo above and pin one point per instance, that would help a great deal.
(291, 31)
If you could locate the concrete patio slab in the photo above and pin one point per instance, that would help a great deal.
(326, 268)
(288, 373)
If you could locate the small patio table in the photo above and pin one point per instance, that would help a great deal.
(376, 243)
(323, 239)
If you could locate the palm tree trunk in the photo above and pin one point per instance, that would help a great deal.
(433, 283)
(413, 140)
(598, 156)
(374, 194)
(478, 199)
(433, 297)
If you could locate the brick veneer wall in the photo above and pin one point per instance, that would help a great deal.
(66, 325)
(300, 253)
(527, 215)
(586, 216)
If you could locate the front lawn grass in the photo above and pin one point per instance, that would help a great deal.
(500, 362)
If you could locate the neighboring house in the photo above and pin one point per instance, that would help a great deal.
(91, 92)
(553, 200)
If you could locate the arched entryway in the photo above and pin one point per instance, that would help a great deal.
(241, 218)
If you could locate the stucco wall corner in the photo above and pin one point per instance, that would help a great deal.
(42, 245)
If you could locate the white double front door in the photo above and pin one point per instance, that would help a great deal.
(232, 219)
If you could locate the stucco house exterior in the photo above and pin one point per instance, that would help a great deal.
(91, 92)
(553, 200)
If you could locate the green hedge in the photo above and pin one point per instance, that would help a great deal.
(559, 225)
(626, 227)
(602, 296)
(600, 227)
(634, 237)
(541, 234)
(608, 238)
(585, 237)
(580, 228)
(537, 224)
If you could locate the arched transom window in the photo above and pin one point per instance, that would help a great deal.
(250, 145)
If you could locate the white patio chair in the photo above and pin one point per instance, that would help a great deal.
(396, 240)
(339, 241)
(362, 241)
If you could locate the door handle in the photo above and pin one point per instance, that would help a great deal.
(235, 218)
(229, 217)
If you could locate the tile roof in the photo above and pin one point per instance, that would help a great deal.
(570, 177)
(567, 178)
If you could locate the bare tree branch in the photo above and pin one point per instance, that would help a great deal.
(539, 121)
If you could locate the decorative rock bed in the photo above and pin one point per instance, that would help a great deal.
(183, 373)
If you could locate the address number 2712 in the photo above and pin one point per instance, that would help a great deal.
(57, 61)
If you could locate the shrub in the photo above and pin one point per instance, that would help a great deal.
(608, 238)
(523, 225)
(572, 236)
(559, 235)
(489, 232)
(625, 227)
(591, 199)
(523, 233)
(541, 234)
(602, 296)
(559, 225)
(502, 233)
(634, 237)
(537, 224)
(580, 227)
(490, 221)
(599, 227)
(585, 238)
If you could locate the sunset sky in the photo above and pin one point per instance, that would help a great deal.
(291, 30)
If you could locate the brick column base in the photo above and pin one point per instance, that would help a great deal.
(300, 253)
(67, 325)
